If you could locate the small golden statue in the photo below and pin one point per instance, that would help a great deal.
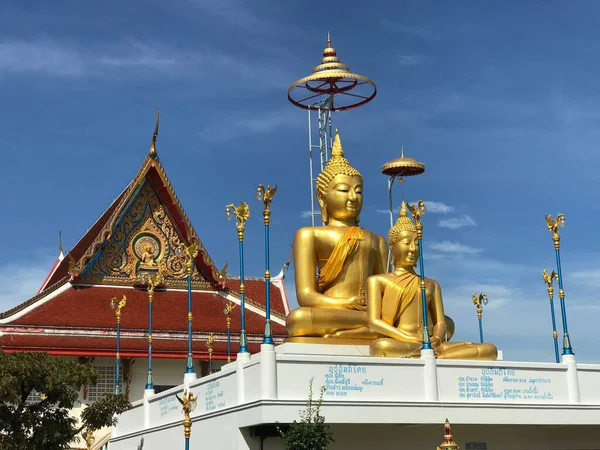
(89, 439)
(188, 404)
(332, 262)
(147, 256)
(395, 311)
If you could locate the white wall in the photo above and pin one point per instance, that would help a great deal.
(221, 434)
(383, 400)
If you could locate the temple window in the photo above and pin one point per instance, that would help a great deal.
(105, 384)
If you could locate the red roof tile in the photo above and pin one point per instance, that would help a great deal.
(105, 346)
(255, 291)
(89, 307)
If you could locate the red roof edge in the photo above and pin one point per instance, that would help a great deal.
(45, 283)
(46, 291)
(82, 245)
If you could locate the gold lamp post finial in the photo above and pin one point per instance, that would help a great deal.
(188, 403)
(229, 306)
(553, 225)
(241, 213)
(210, 342)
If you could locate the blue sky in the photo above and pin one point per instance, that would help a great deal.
(499, 100)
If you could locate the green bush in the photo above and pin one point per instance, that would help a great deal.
(311, 433)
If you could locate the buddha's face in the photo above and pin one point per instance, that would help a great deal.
(344, 199)
(405, 252)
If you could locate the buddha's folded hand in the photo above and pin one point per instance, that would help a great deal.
(358, 303)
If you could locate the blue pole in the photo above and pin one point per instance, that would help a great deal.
(118, 358)
(190, 358)
(426, 340)
(187, 443)
(149, 380)
(481, 331)
(268, 339)
(228, 343)
(567, 349)
(554, 334)
(243, 343)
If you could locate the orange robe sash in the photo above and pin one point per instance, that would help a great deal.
(398, 294)
(343, 248)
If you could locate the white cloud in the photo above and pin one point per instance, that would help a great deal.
(432, 207)
(438, 207)
(421, 32)
(250, 124)
(232, 11)
(43, 56)
(454, 247)
(457, 222)
(410, 60)
(586, 276)
(306, 214)
(19, 283)
(74, 60)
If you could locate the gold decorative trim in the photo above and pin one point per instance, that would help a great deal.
(77, 267)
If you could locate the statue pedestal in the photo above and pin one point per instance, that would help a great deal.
(376, 401)
(320, 348)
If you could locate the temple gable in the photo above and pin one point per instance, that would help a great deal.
(143, 239)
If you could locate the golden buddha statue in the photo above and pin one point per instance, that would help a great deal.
(395, 308)
(332, 262)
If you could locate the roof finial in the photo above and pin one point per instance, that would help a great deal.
(328, 40)
(402, 152)
(61, 255)
(152, 152)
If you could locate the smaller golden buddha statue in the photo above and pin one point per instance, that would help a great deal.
(147, 256)
(395, 307)
(332, 262)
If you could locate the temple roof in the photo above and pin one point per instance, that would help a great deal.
(153, 175)
(78, 320)
(141, 233)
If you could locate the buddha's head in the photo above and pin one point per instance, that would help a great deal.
(404, 244)
(339, 188)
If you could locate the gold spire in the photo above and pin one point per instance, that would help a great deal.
(448, 443)
(403, 212)
(404, 223)
(337, 165)
(328, 40)
(152, 152)
(61, 255)
(337, 149)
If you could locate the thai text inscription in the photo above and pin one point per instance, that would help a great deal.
(168, 405)
(343, 380)
(214, 397)
(495, 384)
